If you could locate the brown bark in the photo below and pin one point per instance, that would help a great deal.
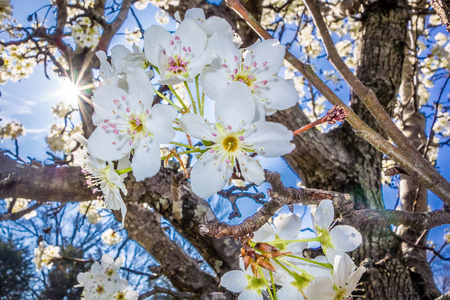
(144, 227)
(413, 195)
(380, 60)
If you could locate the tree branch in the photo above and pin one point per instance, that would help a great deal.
(284, 196)
(144, 227)
(19, 214)
(442, 8)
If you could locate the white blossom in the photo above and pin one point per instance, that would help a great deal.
(235, 135)
(127, 121)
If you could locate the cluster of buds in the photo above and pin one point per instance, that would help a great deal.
(258, 254)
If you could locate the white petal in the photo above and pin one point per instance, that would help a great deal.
(289, 292)
(104, 106)
(195, 14)
(146, 161)
(156, 37)
(140, 89)
(343, 266)
(215, 24)
(100, 145)
(355, 277)
(260, 112)
(191, 35)
(106, 71)
(250, 295)
(251, 169)
(209, 175)
(118, 52)
(119, 262)
(279, 93)
(264, 234)
(160, 122)
(226, 51)
(235, 106)
(196, 65)
(197, 127)
(288, 226)
(320, 289)
(345, 238)
(324, 215)
(270, 139)
(270, 51)
(234, 281)
(213, 81)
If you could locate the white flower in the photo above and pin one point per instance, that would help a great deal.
(43, 256)
(110, 237)
(19, 205)
(121, 292)
(12, 130)
(256, 68)
(98, 288)
(234, 136)
(103, 175)
(127, 121)
(435, 20)
(342, 237)
(121, 60)
(340, 285)
(211, 25)
(238, 281)
(108, 267)
(287, 227)
(179, 57)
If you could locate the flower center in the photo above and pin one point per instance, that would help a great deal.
(109, 272)
(247, 79)
(100, 289)
(230, 143)
(136, 125)
(177, 65)
(120, 296)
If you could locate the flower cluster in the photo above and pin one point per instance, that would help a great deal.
(12, 130)
(110, 237)
(43, 256)
(91, 210)
(103, 281)
(19, 205)
(273, 264)
(201, 58)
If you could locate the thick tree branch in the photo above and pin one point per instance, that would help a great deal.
(67, 184)
(280, 196)
(42, 183)
(183, 271)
